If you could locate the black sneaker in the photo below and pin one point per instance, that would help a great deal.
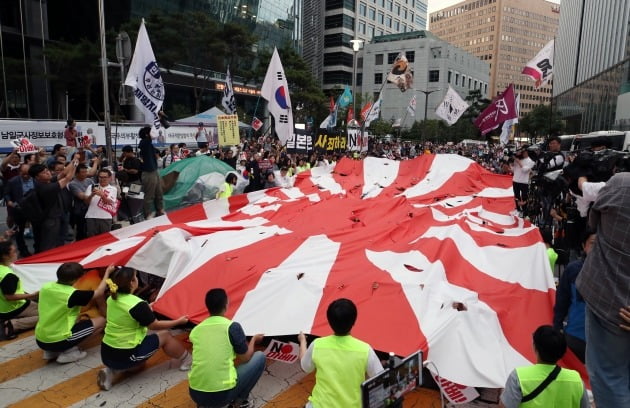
(7, 332)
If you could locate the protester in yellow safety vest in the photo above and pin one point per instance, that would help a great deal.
(545, 384)
(214, 380)
(340, 361)
(126, 344)
(58, 332)
(227, 189)
(18, 311)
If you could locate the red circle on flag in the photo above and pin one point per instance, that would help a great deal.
(287, 348)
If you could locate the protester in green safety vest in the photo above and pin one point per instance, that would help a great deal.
(545, 384)
(341, 362)
(18, 311)
(215, 380)
(58, 332)
(126, 344)
(227, 188)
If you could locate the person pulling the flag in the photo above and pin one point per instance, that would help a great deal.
(127, 344)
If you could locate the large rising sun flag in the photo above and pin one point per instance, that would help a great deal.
(428, 249)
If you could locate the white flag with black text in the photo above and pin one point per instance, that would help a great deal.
(228, 102)
(146, 80)
(452, 107)
(412, 106)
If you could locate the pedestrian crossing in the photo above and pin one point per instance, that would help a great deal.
(27, 380)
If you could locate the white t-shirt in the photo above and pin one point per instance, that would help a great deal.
(521, 173)
(202, 136)
(94, 211)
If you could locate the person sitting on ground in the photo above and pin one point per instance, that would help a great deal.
(571, 305)
(18, 311)
(58, 332)
(341, 362)
(227, 189)
(127, 344)
(545, 384)
(214, 380)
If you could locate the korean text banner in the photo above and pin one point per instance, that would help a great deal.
(330, 142)
(301, 142)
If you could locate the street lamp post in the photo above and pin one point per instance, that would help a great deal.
(426, 100)
(356, 46)
(108, 124)
(426, 103)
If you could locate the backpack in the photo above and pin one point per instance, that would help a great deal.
(32, 208)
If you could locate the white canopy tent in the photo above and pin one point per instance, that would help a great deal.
(209, 118)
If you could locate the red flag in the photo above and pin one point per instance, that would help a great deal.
(350, 114)
(364, 111)
(502, 108)
(256, 123)
(332, 104)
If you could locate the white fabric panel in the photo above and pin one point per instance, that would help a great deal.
(442, 169)
(263, 312)
(378, 173)
(200, 249)
(472, 339)
(524, 265)
(112, 248)
(33, 276)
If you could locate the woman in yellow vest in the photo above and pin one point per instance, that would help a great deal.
(127, 344)
(18, 312)
(227, 188)
(58, 332)
(341, 362)
(545, 384)
(214, 380)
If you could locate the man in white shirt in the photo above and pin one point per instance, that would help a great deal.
(102, 204)
(521, 169)
(202, 135)
(283, 179)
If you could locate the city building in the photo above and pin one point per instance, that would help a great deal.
(27, 27)
(507, 34)
(435, 64)
(329, 25)
(592, 66)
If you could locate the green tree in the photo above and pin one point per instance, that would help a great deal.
(74, 68)
(540, 122)
(381, 128)
(202, 45)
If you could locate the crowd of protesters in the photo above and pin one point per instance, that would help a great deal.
(76, 190)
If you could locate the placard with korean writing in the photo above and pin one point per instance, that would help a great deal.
(300, 143)
(228, 130)
(329, 142)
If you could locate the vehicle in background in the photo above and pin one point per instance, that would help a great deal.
(619, 140)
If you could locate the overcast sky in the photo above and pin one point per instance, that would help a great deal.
(440, 4)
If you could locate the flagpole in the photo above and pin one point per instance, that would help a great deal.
(552, 81)
(108, 124)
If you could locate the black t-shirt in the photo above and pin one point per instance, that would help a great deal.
(231, 161)
(80, 298)
(49, 195)
(144, 315)
(9, 284)
(135, 164)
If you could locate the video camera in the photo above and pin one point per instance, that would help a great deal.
(595, 166)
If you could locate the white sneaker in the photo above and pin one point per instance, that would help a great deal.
(186, 361)
(104, 379)
(51, 355)
(71, 355)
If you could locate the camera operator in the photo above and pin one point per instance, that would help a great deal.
(552, 159)
(521, 168)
